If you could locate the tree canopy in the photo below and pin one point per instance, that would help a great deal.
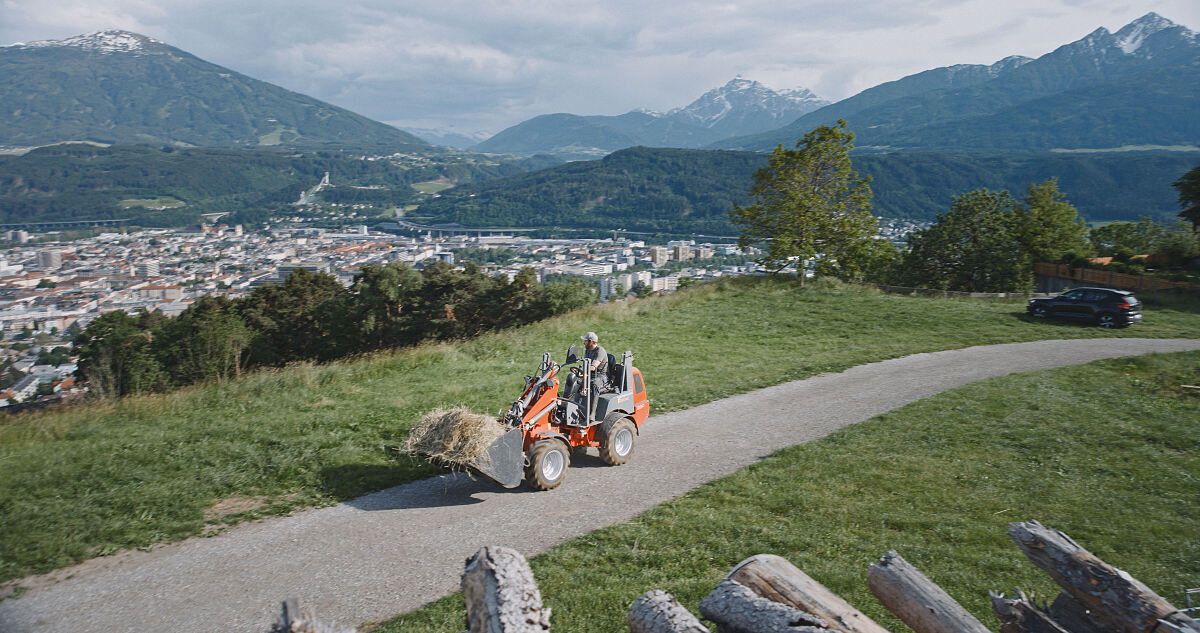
(809, 203)
(1189, 196)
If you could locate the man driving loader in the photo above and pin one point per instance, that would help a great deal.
(597, 361)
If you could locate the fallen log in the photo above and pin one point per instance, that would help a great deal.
(917, 600)
(1112, 596)
(1073, 617)
(659, 612)
(774, 578)
(501, 594)
(736, 609)
(1020, 615)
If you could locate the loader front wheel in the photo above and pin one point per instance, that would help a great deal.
(619, 436)
(548, 462)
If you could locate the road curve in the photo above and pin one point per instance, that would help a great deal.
(396, 549)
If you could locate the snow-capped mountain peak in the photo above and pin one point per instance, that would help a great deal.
(111, 41)
(741, 98)
(1131, 36)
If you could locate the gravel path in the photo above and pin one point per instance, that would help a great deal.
(394, 550)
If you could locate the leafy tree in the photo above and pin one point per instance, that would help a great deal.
(975, 247)
(564, 296)
(384, 307)
(809, 203)
(115, 356)
(1189, 197)
(205, 342)
(1124, 239)
(283, 317)
(46, 283)
(1050, 226)
(1180, 246)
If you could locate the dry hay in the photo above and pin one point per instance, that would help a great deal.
(453, 436)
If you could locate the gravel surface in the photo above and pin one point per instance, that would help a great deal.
(397, 549)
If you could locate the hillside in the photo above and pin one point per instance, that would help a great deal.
(121, 87)
(1134, 87)
(90, 480)
(68, 182)
(681, 191)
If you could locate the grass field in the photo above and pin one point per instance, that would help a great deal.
(433, 186)
(1106, 452)
(161, 202)
(88, 481)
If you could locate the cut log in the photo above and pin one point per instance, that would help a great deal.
(1114, 597)
(659, 612)
(736, 609)
(501, 594)
(776, 579)
(1073, 617)
(916, 600)
(1020, 615)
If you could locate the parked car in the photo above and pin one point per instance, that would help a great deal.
(1103, 306)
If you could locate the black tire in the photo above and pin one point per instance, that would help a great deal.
(1107, 320)
(548, 463)
(618, 438)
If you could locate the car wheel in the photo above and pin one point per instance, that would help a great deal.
(618, 438)
(1107, 320)
(548, 462)
(1041, 312)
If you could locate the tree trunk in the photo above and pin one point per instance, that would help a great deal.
(916, 600)
(774, 578)
(1111, 595)
(658, 612)
(736, 609)
(501, 594)
(1020, 615)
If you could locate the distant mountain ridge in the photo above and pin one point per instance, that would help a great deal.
(125, 88)
(1135, 87)
(739, 107)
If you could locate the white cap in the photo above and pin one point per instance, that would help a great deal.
(590, 336)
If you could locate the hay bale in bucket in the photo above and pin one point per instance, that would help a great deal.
(454, 437)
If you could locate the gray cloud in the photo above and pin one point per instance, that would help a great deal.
(487, 65)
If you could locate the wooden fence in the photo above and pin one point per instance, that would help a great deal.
(1111, 279)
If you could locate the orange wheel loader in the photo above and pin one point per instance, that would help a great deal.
(547, 427)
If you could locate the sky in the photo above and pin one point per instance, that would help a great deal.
(481, 66)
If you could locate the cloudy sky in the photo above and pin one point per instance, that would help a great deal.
(484, 65)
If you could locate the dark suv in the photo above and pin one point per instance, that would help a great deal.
(1102, 306)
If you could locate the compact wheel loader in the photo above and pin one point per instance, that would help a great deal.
(547, 427)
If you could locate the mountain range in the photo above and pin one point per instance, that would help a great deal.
(1137, 87)
(738, 108)
(116, 87)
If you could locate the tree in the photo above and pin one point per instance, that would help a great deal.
(975, 247)
(205, 342)
(1124, 239)
(282, 317)
(1050, 226)
(1189, 197)
(809, 203)
(115, 356)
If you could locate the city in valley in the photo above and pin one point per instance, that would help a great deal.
(51, 289)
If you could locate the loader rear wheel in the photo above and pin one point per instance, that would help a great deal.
(548, 462)
(618, 438)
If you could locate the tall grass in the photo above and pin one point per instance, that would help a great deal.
(85, 481)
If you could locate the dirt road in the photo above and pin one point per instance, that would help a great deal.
(393, 550)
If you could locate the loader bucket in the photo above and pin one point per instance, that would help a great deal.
(504, 462)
